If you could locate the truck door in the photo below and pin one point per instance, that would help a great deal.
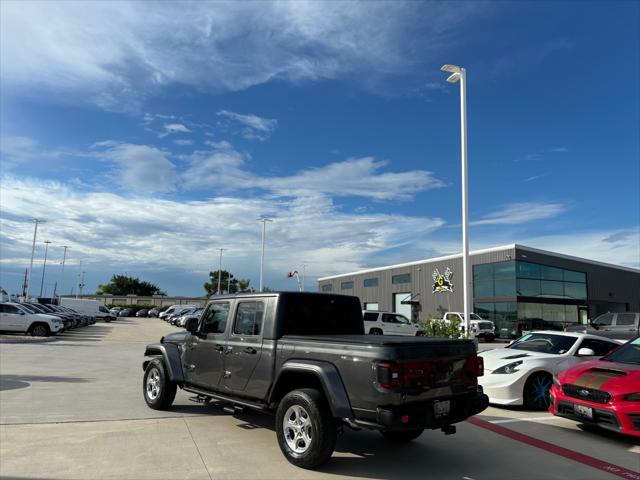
(625, 326)
(204, 355)
(244, 351)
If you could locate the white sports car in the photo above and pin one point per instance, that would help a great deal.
(522, 373)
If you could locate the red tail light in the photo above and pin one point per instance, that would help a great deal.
(479, 366)
(389, 375)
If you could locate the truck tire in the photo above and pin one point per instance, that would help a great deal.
(375, 331)
(159, 392)
(39, 330)
(305, 428)
(402, 436)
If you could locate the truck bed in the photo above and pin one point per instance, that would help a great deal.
(375, 340)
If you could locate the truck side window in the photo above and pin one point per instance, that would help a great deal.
(215, 320)
(604, 319)
(249, 317)
(626, 319)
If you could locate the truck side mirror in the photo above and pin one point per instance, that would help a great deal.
(192, 325)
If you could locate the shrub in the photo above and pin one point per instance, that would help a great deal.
(436, 327)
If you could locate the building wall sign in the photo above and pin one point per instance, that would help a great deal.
(442, 281)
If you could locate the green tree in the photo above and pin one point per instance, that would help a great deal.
(125, 285)
(229, 283)
(243, 285)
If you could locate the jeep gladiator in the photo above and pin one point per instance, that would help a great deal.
(305, 357)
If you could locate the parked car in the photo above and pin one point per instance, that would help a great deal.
(175, 318)
(169, 311)
(521, 373)
(154, 312)
(241, 352)
(115, 311)
(387, 323)
(620, 326)
(15, 317)
(91, 320)
(125, 312)
(143, 312)
(182, 321)
(604, 392)
(69, 320)
(92, 308)
(480, 327)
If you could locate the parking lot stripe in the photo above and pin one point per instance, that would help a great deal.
(557, 450)
(534, 419)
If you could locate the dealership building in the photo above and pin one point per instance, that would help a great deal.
(517, 287)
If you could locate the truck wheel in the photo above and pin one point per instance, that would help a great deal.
(375, 331)
(305, 428)
(40, 330)
(536, 391)
(490, 338)
(159, 392)
(402, 436)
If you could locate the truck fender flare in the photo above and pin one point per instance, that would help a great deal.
(330, 381)
(171, 358)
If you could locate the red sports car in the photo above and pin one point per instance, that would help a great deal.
(603, 392)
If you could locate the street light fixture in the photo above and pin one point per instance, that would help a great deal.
(44, 266)
(264, 221)
(459, 74)
(36, 221)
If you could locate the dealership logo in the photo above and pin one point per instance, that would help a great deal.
(442, 281)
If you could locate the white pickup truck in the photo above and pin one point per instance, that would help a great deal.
(387, 323)
(480, 327)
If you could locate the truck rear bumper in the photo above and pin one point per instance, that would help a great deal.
(423, 415)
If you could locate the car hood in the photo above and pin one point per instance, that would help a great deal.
(617, 378)
(502, 356)
(176, 337)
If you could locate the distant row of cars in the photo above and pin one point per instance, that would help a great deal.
(178, 315)
(40, 320)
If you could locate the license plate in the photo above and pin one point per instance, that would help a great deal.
(442, 408)
(583, 411)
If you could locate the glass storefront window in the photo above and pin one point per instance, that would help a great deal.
(551, 289)
(494, 280)
(527, 270)
(550, 273)
(571, 276)
(577, 291)
(528, 287)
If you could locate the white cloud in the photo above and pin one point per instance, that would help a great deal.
(524, 212)
(173, 128)
(116, 54)
(224, 168)
(183, 143)
(141, 169)
(122, 233)
(253, 127)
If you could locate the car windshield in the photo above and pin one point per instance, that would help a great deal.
(473, 316)
(544, 343)
(628, 353)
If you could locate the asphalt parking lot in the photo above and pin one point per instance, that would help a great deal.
(73, 408)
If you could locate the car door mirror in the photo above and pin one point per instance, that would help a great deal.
(192, 325)
(586, 352)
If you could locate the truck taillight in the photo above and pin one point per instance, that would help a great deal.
(479, 366)
(389, 375)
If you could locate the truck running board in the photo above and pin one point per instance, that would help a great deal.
(237, 403)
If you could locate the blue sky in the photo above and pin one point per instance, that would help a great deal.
(150, 134)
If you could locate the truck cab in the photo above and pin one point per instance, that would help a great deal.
(480, 327)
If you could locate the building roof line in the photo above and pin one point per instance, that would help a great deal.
(479, 252)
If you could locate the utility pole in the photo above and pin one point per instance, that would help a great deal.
(220, 271)
(79, 291)
(36, 221)
(64, 258)
(44, 266)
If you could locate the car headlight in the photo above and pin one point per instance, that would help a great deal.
(509, 368)
(633, 397)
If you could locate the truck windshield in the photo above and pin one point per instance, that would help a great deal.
(315, 314)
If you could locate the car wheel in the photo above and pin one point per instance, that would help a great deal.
(375, 331)
(490, 338)
(402, 436)
(40, 330)
(159, 392)
(305, 428)
(536, 391)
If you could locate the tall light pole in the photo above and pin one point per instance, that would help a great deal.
(36, 221)
(264, 221)
(44, 266)
(64, 258)
(459, 74)
(220, 270)
(79, 290)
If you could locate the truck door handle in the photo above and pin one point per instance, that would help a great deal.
(250, 350)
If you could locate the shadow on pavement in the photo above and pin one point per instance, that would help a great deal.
(14, 382)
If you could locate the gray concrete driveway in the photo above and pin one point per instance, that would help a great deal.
(73, 408)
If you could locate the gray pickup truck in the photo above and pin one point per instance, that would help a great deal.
(619, 326)
(305, 357)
